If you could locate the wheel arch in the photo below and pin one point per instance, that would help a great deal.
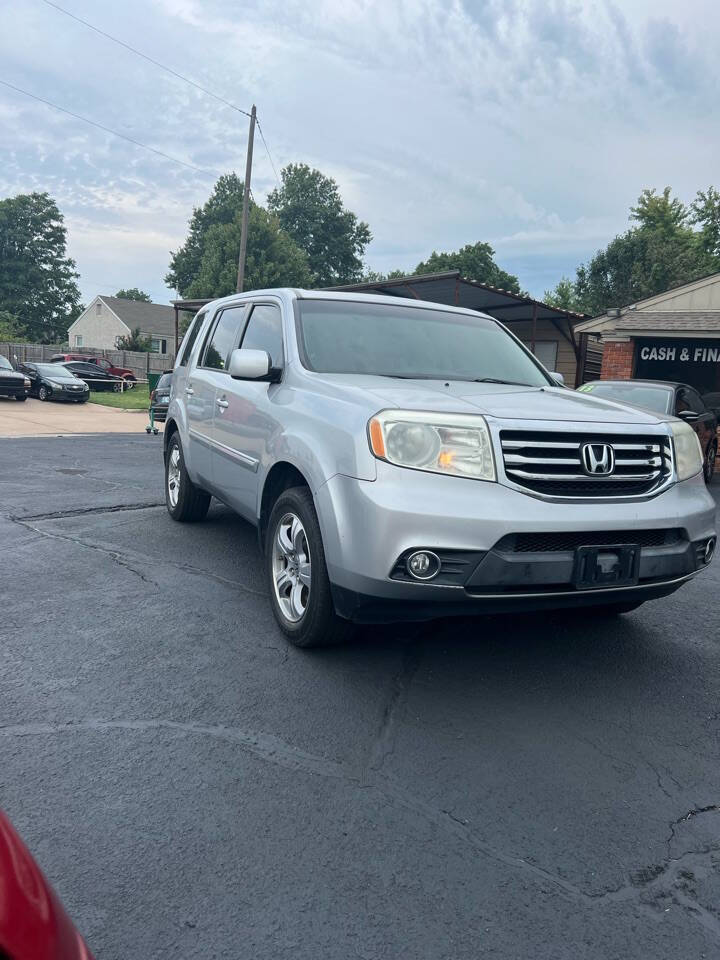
(280, 477)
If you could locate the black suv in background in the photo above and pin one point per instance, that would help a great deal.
(13, 383)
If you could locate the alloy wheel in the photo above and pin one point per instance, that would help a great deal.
(173, 476)
(291, 567)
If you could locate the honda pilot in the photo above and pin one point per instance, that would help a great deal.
(406, 460)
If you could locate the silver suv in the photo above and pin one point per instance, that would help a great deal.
(404, 460)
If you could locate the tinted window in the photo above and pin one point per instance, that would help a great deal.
(223, 338)
(264, 332)
(695, 401)
(413, 342)
(164, 382)
(190, 337)
(645, 395)
(54, 371)
(5, 364)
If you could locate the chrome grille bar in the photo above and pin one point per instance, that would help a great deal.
(552, 464)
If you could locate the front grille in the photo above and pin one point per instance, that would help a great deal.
(550, 463)
(569, 541)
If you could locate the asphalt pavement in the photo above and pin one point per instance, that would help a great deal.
(508, 787)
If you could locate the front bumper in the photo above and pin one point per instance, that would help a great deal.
(367, 526)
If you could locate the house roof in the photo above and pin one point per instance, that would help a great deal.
(688, 307)
(152, 318)
(685, 320)
(452, 288)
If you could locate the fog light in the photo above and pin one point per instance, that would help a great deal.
(709, 550)
(423, 565)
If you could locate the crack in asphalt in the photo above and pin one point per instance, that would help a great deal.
(114, 555)
(87, 511)
(123, 559)
(645, 886)
(383, 745)
(264, 745)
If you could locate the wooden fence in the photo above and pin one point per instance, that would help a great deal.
(141, 364)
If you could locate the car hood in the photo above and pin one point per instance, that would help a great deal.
(11, 374)
(501, 401)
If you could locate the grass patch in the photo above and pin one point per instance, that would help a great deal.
(136, 399)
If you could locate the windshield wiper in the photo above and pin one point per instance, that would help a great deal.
(512, 383)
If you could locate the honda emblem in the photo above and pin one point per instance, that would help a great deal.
(598, 459)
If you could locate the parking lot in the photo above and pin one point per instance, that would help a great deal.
(544, 786)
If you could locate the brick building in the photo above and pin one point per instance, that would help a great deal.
(672, 336)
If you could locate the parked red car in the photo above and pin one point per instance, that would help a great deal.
(33, 922)
(102, 362)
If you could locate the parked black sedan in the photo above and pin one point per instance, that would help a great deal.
(51, 381)
(13, 383)
(661, 396)
(94, 376)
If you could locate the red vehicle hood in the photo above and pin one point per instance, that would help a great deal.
(33, 922)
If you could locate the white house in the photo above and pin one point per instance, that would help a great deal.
(106, 319)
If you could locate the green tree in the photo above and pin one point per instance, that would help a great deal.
(37, 279)
(10, 329)
(661, 252)
(310, 209)
(135, 341)
(705, 212)
(273, 259)
(564, 296)
(221, 208)
(475, 261)
(132, 293)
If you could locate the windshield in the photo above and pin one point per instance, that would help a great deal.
(339, 336)
(5, 364)
(164, 382)
(658, 399)
(55, 370)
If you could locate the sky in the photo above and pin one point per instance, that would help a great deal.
(532, 125)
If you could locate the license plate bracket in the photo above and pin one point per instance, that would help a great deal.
(608, 566)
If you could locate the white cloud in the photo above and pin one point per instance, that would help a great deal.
(532, 125)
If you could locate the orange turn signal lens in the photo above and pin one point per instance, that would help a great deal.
(377, 440)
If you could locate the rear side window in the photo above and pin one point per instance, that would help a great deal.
(264, 332)
(223, 338)
(190, 338)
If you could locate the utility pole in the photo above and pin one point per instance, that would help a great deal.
(246, 203)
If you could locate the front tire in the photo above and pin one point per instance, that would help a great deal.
(296, 573)
(20, 399)
(709, 462)
(186, 502)
(44, 393)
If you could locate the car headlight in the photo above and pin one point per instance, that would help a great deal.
(688, 452)
(56, 383)
(26, 383)
(454, 443)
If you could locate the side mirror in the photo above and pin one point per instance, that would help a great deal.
(688, 415)
(249, 365)
(559, 377)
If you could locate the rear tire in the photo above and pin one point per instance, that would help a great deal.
(186, 502)
(296, 574)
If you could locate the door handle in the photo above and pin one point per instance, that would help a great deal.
(223, 404)
(189, 391)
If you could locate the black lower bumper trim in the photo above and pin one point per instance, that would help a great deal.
(361, 608)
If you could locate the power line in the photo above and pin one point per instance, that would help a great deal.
(267, 151)
(139, 53)
(100, 126)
